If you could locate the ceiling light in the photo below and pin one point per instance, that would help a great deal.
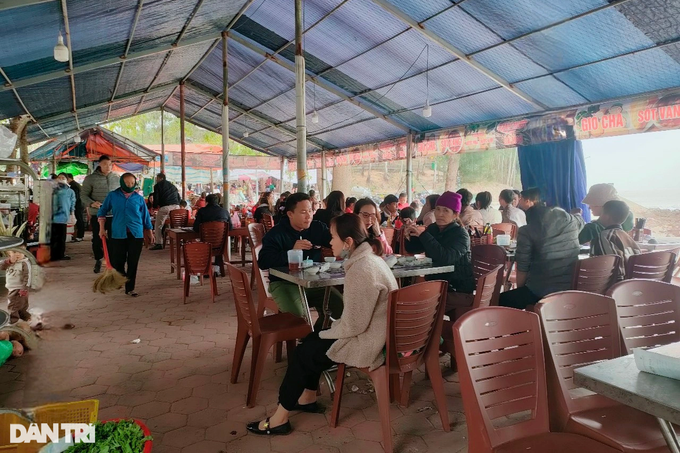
(427, 111)
(60, 50)
(246, 134)
(315, 117)
(77, 138)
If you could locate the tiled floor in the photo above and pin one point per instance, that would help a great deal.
(176, 379)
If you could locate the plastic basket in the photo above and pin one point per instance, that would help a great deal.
(73, 412)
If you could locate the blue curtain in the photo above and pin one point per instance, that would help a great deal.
(558, 169)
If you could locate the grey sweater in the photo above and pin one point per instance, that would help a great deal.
(96, 187)
(548, 248)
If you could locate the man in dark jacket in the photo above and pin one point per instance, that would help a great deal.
(212, 212)
(165, 199)
(79, 232)
(547, 249)
(297, 231)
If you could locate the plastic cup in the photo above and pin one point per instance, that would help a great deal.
(294, 260)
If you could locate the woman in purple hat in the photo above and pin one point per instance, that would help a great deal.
(447, 243)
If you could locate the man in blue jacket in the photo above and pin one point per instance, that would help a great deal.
(297, 231)
(63, 207)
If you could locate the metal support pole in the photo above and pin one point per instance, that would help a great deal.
(182, 140)
(225, 123)
(283, 168)
(300, 113)
(162, 141)
(323, 175)
(409, 167)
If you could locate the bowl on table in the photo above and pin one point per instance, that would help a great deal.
(329, 259)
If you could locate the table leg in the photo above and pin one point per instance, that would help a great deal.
(178, 250)
(172, 254)
(669, 434)
(243, 251)
(326, 308)
(305, 302)
(507, 276)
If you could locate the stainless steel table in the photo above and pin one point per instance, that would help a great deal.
(7, 242)
(619, 379)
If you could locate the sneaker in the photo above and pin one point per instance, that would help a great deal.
(97, 266)
(77, 240)
(131, 294)
(157, 247)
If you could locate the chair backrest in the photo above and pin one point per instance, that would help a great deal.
(256, 232)
(197, 258)
(243, 299)
(485, 258)
(653, 265)
(648, 313)
(389, 235)
(504, 228)
(579, 329)
(415, 315)
(489, 288)
(499, 353)
(262, 277)
(596, 274)
(179, 218)
(215, 233)
(267, 221)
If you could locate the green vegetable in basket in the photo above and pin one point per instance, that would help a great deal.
(124, 436)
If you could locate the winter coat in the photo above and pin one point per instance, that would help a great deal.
(63, 203)
(165, 194)
(96, 187)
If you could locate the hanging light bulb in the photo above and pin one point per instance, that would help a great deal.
(315, 117)
(60, 50)
(77, 138)
(427, 110)
(246, 134)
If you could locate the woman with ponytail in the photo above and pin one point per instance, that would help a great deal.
(130, 225)
(356, 339)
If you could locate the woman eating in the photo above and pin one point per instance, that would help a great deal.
(356, 339)
(426, 216)
(447, 243)
(130, 225)
(367, 210)
(469, 217)
(483, 204)
(264, 206)
(335, 206)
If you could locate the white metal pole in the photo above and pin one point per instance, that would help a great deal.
(225, 124)
(283, 169)
(300, 112)
(324, 193)
(409, 167)
(162, 140)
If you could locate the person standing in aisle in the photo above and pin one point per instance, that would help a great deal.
(166, 198)
(79, 228)
(63, 205)
(94, 191)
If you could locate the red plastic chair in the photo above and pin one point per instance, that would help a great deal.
(414, 322)
(265, 301)
(216, 234)
(177, 218)
(266, 332)
(486, 295)
(499, 352)
(268, 222)
(596, 274)
(652, 265)
(487, 257)
(256, 233)
(505, 228)
(580, 329)
(648, 312)
(197, 261)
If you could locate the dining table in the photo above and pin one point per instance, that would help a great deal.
(178, 237)
(620, 380)
(240, 236)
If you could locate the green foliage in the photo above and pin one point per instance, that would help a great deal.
(124, 436)
(146, 130)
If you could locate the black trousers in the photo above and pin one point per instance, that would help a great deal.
(305, 366)
(97, 249)
(518, 298)
(58, 241)
(79, 230)
(126, 251)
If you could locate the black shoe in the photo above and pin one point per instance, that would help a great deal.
(157, 247)
(312, 408)
(280, 430)
(97, 266)
(131, 294)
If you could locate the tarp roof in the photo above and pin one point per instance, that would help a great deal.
(93, 143)
(367, 62)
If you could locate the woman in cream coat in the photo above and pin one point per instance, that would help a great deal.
(357, 339)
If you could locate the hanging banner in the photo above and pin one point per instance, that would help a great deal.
(207, 161)
(651, 113)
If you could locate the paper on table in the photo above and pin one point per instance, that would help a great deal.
(663, 361)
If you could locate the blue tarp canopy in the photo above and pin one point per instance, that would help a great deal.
(371, 64)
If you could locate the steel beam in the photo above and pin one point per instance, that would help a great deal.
(315, 79)
(10, 4)
(23, 106)
(67, 30)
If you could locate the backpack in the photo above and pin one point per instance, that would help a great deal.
(615, 241)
